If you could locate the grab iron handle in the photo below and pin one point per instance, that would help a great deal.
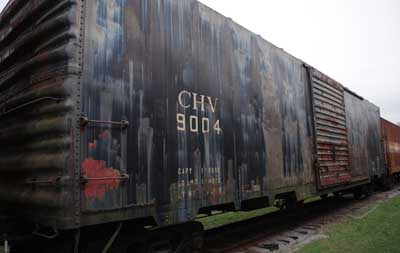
(86, 179)
(85, 121)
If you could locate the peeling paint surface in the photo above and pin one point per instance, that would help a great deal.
(99, 176)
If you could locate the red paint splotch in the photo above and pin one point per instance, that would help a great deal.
(96, 189)
(93, 145)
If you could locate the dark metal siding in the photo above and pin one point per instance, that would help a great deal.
(365, 138)
(145, 62)
(39, 81)
(391, 135)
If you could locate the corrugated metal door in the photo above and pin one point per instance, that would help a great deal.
(331, 139)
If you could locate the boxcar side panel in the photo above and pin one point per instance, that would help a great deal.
(391, 135)
(365, 138)
(216, 114)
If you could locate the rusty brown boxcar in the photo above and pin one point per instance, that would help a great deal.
(391, 136)
(139, 112)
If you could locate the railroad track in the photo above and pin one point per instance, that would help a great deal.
(288, 230)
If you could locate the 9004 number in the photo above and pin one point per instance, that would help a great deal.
(197, 124)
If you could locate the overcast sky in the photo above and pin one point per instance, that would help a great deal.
(356, 42)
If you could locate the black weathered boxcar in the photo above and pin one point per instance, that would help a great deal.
(118, 110)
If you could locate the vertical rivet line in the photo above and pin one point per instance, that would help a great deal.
(77, 174)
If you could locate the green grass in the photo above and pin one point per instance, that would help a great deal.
(218, 220)
(232, 217)
(309, 200)
(378, 232)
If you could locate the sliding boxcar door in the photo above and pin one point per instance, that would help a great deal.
(331, 138)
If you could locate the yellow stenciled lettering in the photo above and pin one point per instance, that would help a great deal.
(195, 123)
(206, 125)
(180, 98)
(180, 118)
(213, 105)
(217, 127)
(202, 102)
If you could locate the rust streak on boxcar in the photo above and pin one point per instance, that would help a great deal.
(391, 135)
